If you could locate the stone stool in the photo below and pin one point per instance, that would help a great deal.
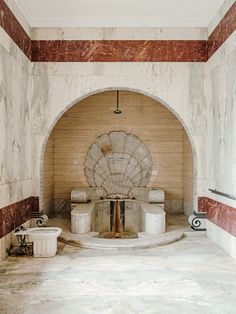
(153, 218)
(81, 218)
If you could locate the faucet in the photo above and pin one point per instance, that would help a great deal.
(20, 228)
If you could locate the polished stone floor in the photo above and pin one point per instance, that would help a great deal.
(192, 275)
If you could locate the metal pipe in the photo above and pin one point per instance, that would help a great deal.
(117, 111)
(223, 194)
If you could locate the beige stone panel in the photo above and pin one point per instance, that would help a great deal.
(187, 176)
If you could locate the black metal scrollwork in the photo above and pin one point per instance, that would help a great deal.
(196, 221)
(40, 222)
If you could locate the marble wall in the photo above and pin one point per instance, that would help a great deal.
(16, 182)
(222, 31)
(219, 15)
(221, 117)
(221, 156)
(119, 51)
(124, 33)
(13, 28)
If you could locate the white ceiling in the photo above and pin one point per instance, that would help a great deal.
(119, 13)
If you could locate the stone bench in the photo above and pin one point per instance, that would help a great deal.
(153, 218)
(81, 218)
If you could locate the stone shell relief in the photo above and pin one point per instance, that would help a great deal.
(118, 162)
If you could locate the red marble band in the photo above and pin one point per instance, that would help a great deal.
(220, 214)
(13, 28)
(16, 214)
(222, 31)
(117, 50)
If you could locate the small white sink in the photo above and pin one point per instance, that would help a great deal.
(43, 231)
(44, 240)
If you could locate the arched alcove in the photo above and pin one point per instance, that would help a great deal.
(174, 167)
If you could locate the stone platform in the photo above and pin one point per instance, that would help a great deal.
(176, 227)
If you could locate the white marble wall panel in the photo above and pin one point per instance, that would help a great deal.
(221, 95)
(15, 123)
(222, 238)
(125, 33)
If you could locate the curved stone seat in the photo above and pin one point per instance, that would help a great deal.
(81, 218)
(153, 218)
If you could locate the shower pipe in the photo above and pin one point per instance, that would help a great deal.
(223, 194)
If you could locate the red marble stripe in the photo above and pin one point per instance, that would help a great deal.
(13, 28)
(220, 214)
(119, 51)
(222, 31)
(16, 214)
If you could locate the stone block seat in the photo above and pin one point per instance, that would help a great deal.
(81, 218)
(148, 203)
(153, 218)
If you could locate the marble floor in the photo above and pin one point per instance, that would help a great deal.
(192, 275)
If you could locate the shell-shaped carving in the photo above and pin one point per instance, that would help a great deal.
(118, 162)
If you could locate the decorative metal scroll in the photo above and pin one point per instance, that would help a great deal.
(198, 221)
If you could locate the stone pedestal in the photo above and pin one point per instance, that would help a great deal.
(153, 218)
(81, 220)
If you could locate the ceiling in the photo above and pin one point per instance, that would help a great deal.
(119, 13)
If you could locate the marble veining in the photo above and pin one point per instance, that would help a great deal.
(116, 50)
(219, 15)
(118, 33)
(190, 276)
(220, 214)
(16, 214)
(222, 31)
(119, 51)
(221, 114)
(10, 24)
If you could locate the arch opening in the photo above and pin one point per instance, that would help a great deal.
(172, 147)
